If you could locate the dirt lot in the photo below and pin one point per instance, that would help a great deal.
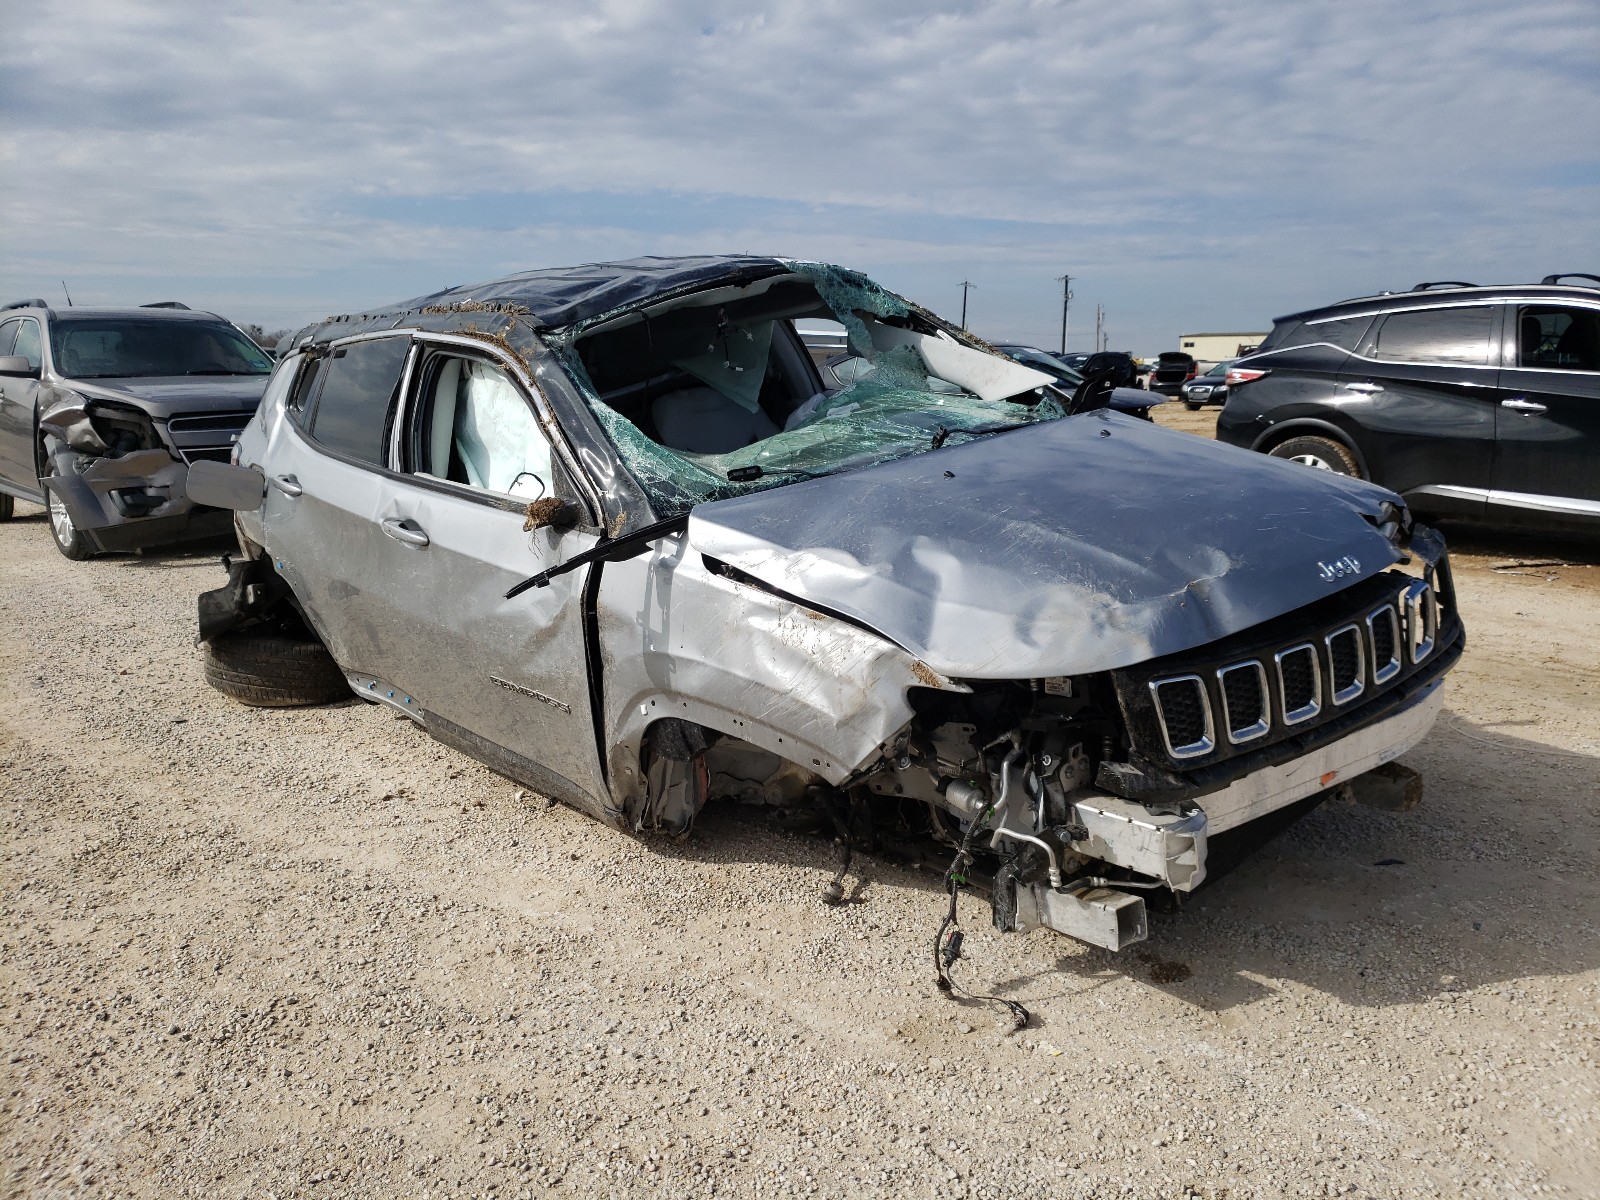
(312, 953)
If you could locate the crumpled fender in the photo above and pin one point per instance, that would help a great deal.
(737, 658)
(67, 420)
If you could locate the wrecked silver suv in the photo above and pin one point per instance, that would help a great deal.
(603, 529)
(103, 409)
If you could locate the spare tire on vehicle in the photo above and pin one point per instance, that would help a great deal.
(273, 670)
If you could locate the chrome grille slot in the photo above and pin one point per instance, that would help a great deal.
(1383, 629)
(1421, 609)
(1290, 677)
(1185, 715)
(1246, 710)
(1299, 683)
(1347, 664)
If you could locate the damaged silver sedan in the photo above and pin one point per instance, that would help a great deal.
(605, 530)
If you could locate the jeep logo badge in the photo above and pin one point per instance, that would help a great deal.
(1338, 568)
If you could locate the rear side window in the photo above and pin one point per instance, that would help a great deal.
(1548, 336)
(1436, 335)
(352, 409)
(1343, 332)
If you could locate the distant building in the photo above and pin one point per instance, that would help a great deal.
(1214, 347)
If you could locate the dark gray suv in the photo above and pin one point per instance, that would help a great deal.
(103, 409)
(1480, 403)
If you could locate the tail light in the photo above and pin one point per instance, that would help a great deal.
(1238, 375)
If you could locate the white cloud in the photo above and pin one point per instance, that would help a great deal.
(1190, 162)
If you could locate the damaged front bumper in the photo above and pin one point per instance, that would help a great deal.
(132, 501)
(1172, 848)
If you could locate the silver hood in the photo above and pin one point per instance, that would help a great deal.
(1084, 544)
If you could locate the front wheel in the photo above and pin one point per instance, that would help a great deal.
(1320, 453)
(68, 539)
(1191, 406)
(8, 506)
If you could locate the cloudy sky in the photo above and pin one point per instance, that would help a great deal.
(1194, 164)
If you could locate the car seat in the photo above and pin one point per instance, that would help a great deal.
(701, 420)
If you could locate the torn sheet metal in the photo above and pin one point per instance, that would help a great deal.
(1074, 546)
(562, 296)
(681, 641)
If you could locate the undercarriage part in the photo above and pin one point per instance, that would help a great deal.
(1171, 848)
(1390, 788)
(677, 779)
(253, 593)
(1101, 916)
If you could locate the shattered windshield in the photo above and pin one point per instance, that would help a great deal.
(710, 395)
(115, 348)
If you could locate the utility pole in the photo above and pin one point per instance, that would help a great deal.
(1099, 327)
(1066, 301)
(965, 285)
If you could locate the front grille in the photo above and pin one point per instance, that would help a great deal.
(1185, 715)
(1383, 627)
(1299, 683)
(1347, 679)
(1272, 685)
(222, 422)
(207, 436)
(1247, 714)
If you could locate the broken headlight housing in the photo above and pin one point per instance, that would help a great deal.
(122, 427)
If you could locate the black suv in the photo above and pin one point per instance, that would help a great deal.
(103, 409)
(1481, 403)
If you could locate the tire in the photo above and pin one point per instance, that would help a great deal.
(8, 505)
(1191, 406)
(68, 539)
(1323, 454)
(270, 670)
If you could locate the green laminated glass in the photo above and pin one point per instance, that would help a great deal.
(890, 410)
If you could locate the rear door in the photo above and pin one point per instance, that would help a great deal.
(1423, 387)
(326, 489)
(1547, 423)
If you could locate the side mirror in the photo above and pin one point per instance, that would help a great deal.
(220, 485)
(16, 364)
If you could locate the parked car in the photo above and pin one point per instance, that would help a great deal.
(1480, 403)
(1210, 388)
(1171, 370)
(103, 409)
(1133, 400)
(603, 529)
(1116, 365)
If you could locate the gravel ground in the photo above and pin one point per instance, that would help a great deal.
(311, 953)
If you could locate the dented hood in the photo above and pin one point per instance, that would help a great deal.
(1078, 545)
(163, 397)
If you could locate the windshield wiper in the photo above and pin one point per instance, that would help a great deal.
(617, 549)
(218, 371)
(756, 471)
